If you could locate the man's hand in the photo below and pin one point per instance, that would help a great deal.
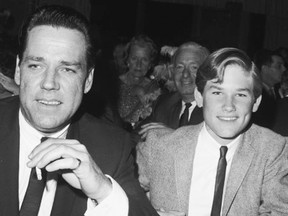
(76, 165)
(9, 84)
(145, 128)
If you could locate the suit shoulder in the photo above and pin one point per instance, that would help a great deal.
(169, 98)
(267, 140)
(9, 108)
(100, 131)
(170, 138)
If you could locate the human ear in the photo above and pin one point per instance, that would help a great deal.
(256, 103)
(89, 81)
(17, 75)
(198, 97)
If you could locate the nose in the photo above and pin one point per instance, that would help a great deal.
(229, 104)
(186, 72)
(49, 80)
(138, 63)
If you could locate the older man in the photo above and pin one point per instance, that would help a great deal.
(179, 108)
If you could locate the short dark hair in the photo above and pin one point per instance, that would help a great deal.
(58, 16)
(215, 64)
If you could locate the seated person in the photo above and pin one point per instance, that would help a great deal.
(179, 108)
(271, 67)
(83, 166)
(137, 91)
(8, 87)
(280, 123)
(179, 167)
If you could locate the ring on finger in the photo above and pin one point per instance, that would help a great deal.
(79, 163)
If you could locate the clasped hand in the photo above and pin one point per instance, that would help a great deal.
(75, 163)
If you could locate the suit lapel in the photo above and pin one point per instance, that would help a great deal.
(196, 116)
(174, 117)
(239, 168)
(184, 163)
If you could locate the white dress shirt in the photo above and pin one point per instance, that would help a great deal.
(115, 204)
(207, 154)
(191, 108)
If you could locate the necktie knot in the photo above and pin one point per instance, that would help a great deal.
(223, 151)
(44, 139)
(188, 105)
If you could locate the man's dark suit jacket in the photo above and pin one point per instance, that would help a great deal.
(109, 146)
(280, 124)
(167, 110)
(265, 114)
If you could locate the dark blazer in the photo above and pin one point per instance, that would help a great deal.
(280, 124)
(167, 110)
(265, 114)
(109, 146)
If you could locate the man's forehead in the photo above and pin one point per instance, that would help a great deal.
(277, 59)
(187, 54)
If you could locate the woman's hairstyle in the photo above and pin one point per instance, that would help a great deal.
(146, 42)
(215, 64)
(58, 16)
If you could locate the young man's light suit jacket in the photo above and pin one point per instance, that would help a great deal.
(257, 182)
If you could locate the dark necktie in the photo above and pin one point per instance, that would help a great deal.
(184, 119)
(219, 185)
(34, 192)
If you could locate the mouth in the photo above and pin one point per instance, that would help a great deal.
(227, 118)
(49, 102)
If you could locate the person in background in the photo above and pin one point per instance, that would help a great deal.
(8, 87)
(283, 51)
(83, 166)
(225, 165)
(280, 123)
(137, 91)
(271, 66)
(169, 111)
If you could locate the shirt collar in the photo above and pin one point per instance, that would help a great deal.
(193, 103)
(26, 128)
(209, 139)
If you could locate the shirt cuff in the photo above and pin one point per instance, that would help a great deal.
(115, 204)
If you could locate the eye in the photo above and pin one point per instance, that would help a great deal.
(133, 58)
(216, 92)
(34, 66)
(241, 95)
(193, 67)
(145, 60)
(179, 68)
(68, 70)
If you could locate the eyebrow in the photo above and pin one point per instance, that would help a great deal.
(75, 64)
(34, 58)
(66, 63)
(215, 86)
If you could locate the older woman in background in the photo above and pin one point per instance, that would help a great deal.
(137, 91)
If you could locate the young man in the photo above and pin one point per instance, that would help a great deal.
(84, 168)
(179, 108)
(180, 167)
